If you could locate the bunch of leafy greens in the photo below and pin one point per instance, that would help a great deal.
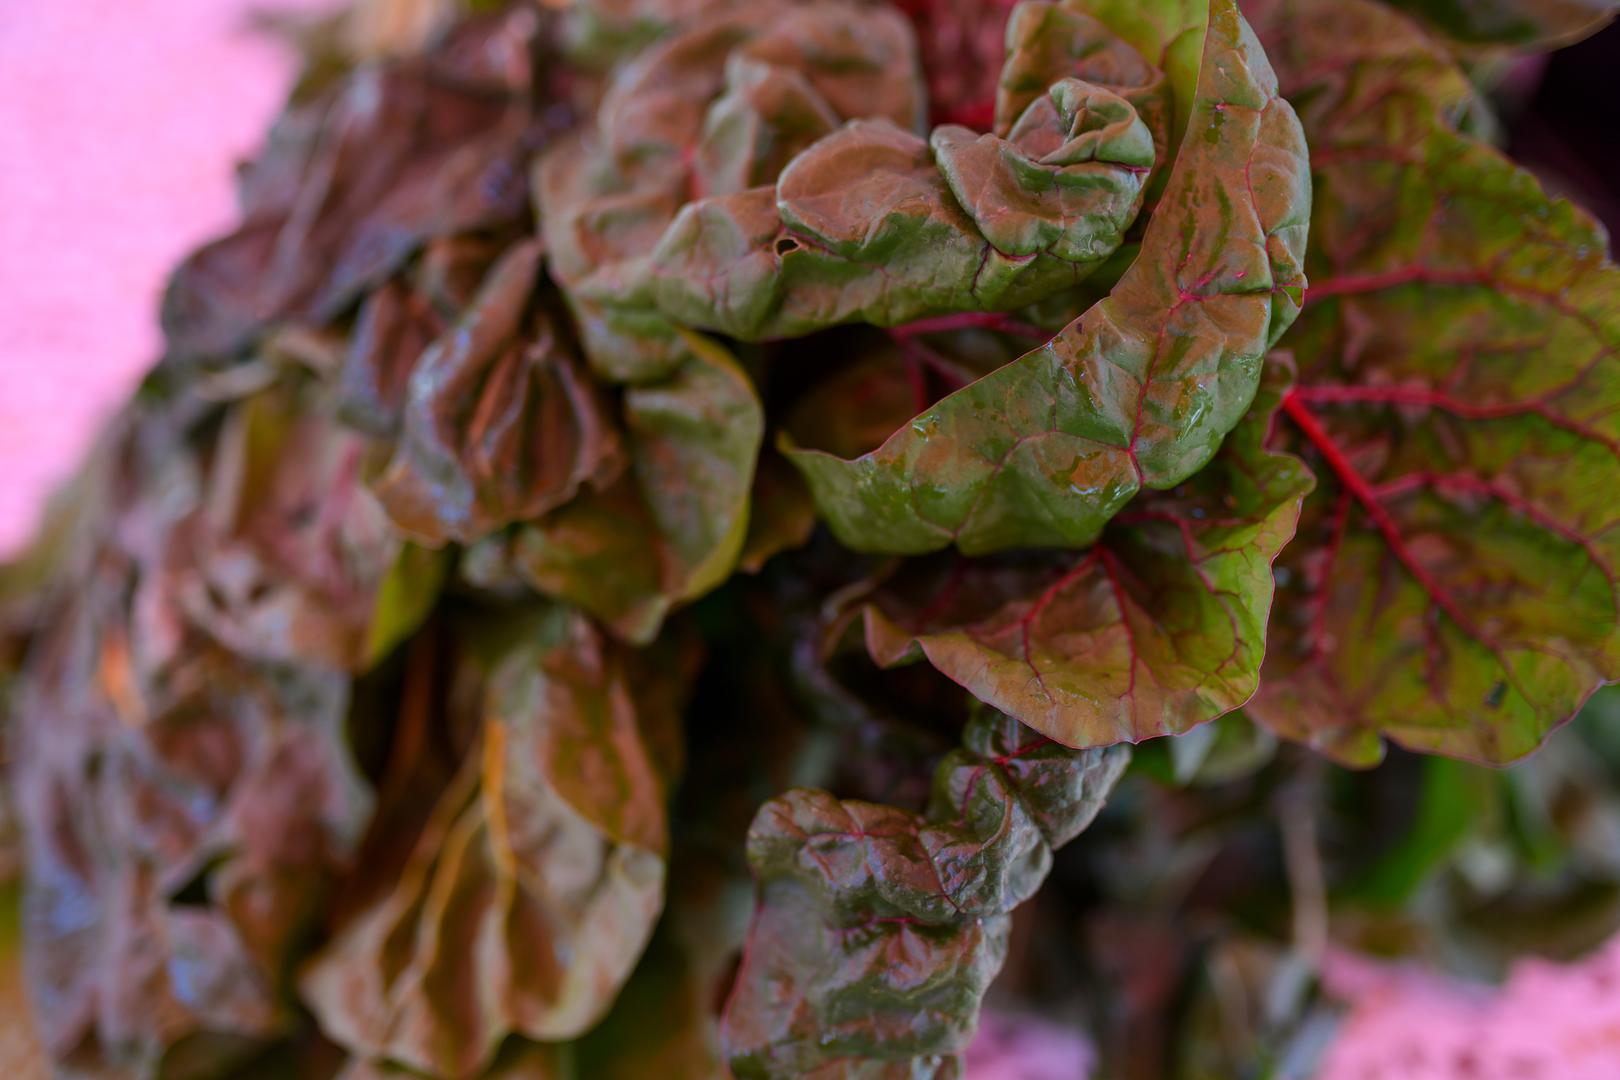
(617, 423)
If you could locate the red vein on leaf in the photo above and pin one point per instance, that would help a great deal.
(1424, 397)
(1111, 568)
(1028, 748)
(1358, 486)
(1355, 284)
(1027, 620)
(1468, 484)
(1196, 560)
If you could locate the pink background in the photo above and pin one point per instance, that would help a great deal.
(120, 122)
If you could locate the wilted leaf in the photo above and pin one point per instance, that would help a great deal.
(1158, 627)
(181, 833)
(501, 424)
(1453, 585)
(353, 182)
(1141, 389)
(536, 883)
(878, 930)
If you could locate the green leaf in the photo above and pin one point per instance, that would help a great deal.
(1456, 801)
(673, 527)
(406, 595)
(1142, 388)
(788, 190)
(1170, 33)
(1453, 584)
(1539, 24)
(878, 930)
(536, 883)
(968, 222)
(1158, 627)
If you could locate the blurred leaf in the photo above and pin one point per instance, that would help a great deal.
(1455, 803)
(538, 879)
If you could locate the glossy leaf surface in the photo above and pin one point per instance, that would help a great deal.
(1141, 389)
(878, 930)
(788, 191)
(1158, 627)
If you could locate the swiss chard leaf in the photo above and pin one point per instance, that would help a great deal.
(287, 556)
(673, 527)
(501, 424)
(1142, 388)
(536, 883)
(878, 930)
(1523, 23)
(1453, 587)
(354, 181)
(1158, 627)
(399, 321)
(747, 209)
(192, 824)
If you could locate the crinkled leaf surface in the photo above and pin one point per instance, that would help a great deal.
(501, 424)
(873, 223)
(722, 104)
(536, 883)
(751, 208)
(1523, 23)
(673, 526)
(1453, 585)
(1142, 388)
(1048, 43)
(1170, 33)
(1158, 627)
(878, 930)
